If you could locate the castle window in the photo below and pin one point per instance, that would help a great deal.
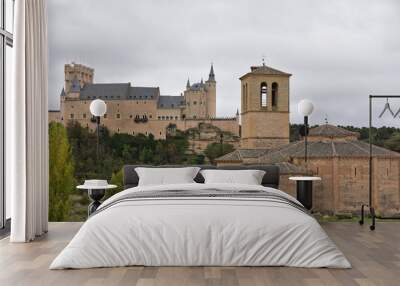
(263, 94)
(72, 115)
(274, 94)
(194, 117)
(150, 116)
(194, 102)
(176, 117)
(130, 116)
(105, 115)
(163, 117)
(159, 117)
(84, 115)
(118, 115)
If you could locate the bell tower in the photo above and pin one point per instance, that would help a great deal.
(264, 108)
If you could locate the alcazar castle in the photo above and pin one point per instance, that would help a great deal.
(135, 109)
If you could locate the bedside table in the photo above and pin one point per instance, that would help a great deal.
(96, 190)
(304, 190)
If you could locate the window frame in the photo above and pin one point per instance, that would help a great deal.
(264, 95)
(6, 40)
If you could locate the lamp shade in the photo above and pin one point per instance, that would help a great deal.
(305, 107)
(98, 107)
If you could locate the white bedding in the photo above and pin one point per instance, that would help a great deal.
(200, 231)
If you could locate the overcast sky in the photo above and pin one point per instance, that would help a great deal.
(338, 51)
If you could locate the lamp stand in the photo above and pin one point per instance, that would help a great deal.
(305, 138)
(98, 136)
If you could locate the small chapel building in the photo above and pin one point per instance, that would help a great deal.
(342, 161)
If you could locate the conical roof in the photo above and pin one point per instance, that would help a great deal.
(266, 70)
(328, 130)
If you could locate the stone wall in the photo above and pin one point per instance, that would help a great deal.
(120, 118)
(345, 184)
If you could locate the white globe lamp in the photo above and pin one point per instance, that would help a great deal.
(98, 108)
(305, 107)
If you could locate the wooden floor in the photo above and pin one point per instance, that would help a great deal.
(375, 257)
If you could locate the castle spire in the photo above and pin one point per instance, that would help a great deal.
(211, 76)
(188, 84)
(201, 81)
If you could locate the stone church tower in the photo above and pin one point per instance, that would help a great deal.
(264, 108)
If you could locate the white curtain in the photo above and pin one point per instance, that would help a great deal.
(26, 123)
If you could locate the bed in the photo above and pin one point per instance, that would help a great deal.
(201, 224)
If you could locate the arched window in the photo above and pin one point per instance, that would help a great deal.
(263, 94)
(274, 94)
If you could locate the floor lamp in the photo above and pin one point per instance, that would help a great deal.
(305, 108)
(98, 108)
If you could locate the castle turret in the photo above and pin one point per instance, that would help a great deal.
(211, 75)
(78, 74)
(187, 84)
(211, 94)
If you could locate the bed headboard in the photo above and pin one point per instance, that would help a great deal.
(271, 177)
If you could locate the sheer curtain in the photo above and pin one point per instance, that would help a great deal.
(26, 124)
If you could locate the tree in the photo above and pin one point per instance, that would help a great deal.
(393, 143)
(116, 179)
(61, 173)
(215, 150)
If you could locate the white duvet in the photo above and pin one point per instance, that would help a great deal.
(200, 231)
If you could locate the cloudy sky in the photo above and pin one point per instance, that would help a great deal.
(338, 51)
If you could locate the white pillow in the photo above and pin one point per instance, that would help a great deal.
(248, 177)
(166, 176)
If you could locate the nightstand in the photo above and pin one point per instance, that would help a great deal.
(304, 189)
(96, 190)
